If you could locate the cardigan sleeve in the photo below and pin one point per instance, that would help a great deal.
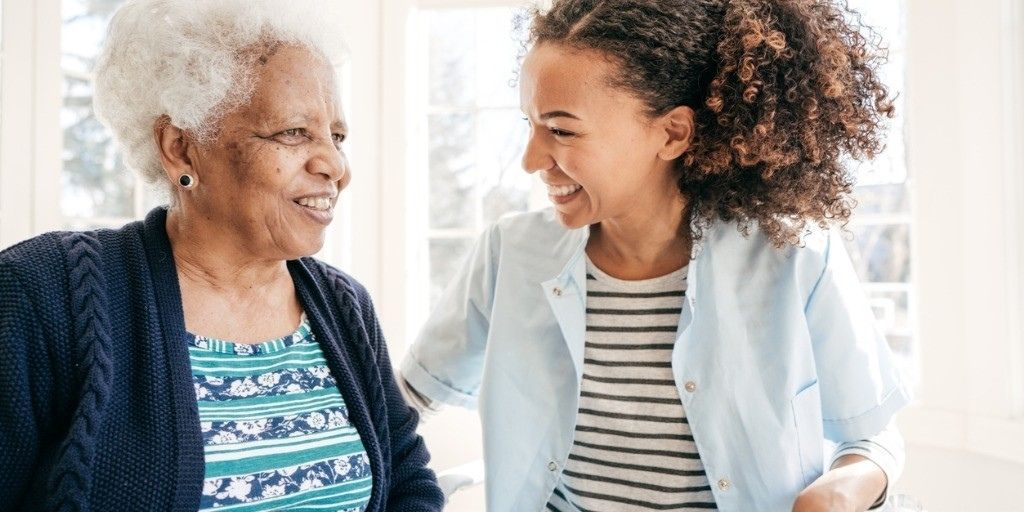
(22, 365)
(413, 486)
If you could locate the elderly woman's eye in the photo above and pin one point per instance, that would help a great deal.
(339, 137)
(293, 132)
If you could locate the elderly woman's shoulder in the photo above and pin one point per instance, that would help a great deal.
(36, 256)
(44, 262)
(33, 281)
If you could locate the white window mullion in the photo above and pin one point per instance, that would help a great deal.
(398, 197)
(48, 137)
(359, 235)
(16, 122)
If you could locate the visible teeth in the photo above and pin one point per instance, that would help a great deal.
(563, 190)
(316, 203)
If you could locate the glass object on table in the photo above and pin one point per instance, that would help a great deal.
(903, 503)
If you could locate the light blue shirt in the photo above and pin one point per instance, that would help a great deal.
(782, 353)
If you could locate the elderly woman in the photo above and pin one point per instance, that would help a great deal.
(200, 359)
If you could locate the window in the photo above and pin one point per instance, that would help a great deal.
(96, 188)
(473, 136)
(881, 225)
(458, 69)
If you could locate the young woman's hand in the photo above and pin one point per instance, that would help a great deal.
(853, 484)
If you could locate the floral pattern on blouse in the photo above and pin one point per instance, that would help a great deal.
(275, 427)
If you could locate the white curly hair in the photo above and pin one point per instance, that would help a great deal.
(194, 61)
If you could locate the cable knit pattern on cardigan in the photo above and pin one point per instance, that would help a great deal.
(97, 410)
(90, 329)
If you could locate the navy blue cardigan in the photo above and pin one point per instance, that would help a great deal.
(97, 408)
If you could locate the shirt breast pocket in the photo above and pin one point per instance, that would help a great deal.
(809, 431)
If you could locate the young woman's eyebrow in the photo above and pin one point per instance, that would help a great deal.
(558, 113)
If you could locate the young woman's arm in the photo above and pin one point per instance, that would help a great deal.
(852, 485)
(445, 364)
(861, 390)
(423, 405)
(857, 471)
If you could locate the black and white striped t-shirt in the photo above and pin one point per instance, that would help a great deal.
(633, 449)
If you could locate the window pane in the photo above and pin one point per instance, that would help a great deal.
(475, 132)
(453, 173)
(892, 309)
(452, 62)
(500, 49)
(881, 246)
(881, 253)
(472, 55)
(505, 186)
(882, 199)
(94, 180)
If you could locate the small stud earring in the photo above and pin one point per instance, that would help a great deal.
(186, 181)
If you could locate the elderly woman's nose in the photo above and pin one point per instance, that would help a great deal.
(331, 164)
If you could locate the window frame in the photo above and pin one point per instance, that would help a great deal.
(1013, 41)
(404, 127)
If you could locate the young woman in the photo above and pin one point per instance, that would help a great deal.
(680, 331)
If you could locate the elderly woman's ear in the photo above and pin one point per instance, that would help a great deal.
(176, 150)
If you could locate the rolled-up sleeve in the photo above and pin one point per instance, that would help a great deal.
(445, 364)
(885, 449)
(861, 387)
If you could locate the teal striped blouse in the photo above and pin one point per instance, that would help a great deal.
(275, 428)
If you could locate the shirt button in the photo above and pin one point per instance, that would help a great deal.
(690, 386)
(557, 292)
(552, 466)
(724, 484)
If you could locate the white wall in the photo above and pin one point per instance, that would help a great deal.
(966, 430)
(956, 481)
(965, 244)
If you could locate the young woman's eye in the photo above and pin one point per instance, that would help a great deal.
(560, 133)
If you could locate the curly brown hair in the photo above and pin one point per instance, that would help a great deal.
(784, 91)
